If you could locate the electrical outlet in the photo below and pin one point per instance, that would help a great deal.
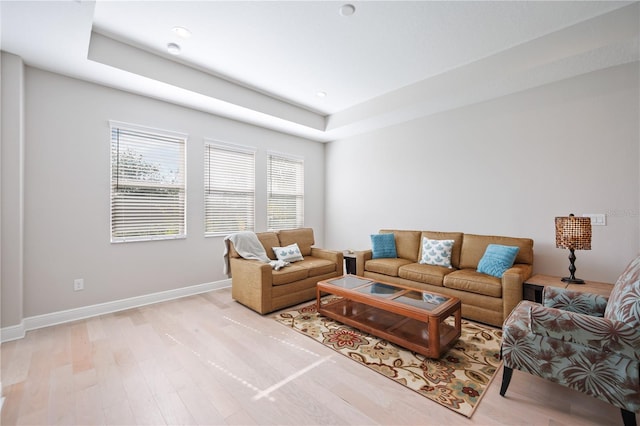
(597, 219)
(78, 284)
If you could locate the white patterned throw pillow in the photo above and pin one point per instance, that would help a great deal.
(436, 252)
(290, 253)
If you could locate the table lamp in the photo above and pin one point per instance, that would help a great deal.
(573, 233)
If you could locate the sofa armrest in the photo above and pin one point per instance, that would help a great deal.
(361, 257)
(512, 286)
(574, 301)
(595, 332)
(332, 255)
(251, 283)
(251, 269)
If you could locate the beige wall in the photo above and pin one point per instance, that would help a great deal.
(506, 166)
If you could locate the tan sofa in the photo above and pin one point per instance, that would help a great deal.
(484, 298)
(256, 285)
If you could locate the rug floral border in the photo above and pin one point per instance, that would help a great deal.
(457, 380)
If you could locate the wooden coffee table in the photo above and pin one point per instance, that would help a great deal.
(402, 315)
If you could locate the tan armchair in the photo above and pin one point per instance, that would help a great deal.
(256, 285)
(586, 342)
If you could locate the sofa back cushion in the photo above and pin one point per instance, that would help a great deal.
(383, 246)
(302, 236)
(457, 244)
(474, 246)
(407, 243)
(624, 300)
(269, 240)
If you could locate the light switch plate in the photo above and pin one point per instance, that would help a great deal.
(597, 219)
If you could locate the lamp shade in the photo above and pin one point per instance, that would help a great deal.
(573, 232)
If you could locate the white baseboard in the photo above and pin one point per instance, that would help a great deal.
(15, 332)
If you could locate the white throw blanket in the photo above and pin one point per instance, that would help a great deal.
(248, 246)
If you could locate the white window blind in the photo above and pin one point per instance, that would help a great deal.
(285, 192)
(147, 184)
(229, 189)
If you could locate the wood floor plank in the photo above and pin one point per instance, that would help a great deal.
(173, 409)
(119, 414)
(15, 368)
(81, 349)
(206, 359)
(145, 410)
(199, 406)
(61, 404)
(13, 400)
(88, 410)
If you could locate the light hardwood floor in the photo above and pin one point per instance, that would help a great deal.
(206, 359)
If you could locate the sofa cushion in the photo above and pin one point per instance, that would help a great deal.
(289, 274)
(624, 300)
(457, 244)
(383, 246)
(407, 243)
(474, 246)
(317, 266)
(290, 253)
(436, 252)
(428, 274)
(269, 240)
(475, 282)
(385, 266)
(302, 236)
(497, 259)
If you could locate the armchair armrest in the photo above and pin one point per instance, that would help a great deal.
(361, 257)
(600, 334)
(332, 255)
(512, 283)
(574, 301)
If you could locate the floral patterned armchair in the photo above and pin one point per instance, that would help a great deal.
(586, 342)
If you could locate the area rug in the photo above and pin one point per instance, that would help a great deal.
(457, 380)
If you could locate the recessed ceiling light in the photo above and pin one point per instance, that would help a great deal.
(347, 10)
(173, 48)
(181, 32)
(321, 94)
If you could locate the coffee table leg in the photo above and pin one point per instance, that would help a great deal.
(434, 337)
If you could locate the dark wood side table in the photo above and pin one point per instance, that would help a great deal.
(533, 287)
(350, 262)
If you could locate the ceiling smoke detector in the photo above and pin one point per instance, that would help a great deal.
(181, 32)
(347, 10)
(173, 48)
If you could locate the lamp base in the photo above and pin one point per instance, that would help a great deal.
(572, 280)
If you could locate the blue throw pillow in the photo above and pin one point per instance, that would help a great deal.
(383, 245)
(497, 259)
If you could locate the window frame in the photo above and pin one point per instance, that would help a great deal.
(155, 136)
(298, 192)
(236, 149)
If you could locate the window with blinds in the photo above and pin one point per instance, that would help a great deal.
(147, 184)
(285, 192)
(229, 189)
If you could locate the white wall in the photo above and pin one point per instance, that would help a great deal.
(67, 220)
(504, 167)
(12, 185)
(507, 166)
